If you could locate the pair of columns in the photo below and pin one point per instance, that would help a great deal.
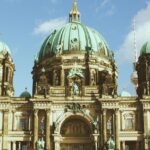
(104, 124)
(47, 132)
(14, 145)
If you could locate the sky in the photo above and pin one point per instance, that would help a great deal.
(24, 24)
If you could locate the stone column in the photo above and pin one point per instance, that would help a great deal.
(48, 130)
(137, 145)
(29, 123)
(145, 129)
(145, 121)
(5, 129)
(14, 146)
(117, 142)
(35, 134)
(62, 77)
(96, 140)
(123, 145)
(104, 126)
(19, 145)
(57, 139)
(57, 145)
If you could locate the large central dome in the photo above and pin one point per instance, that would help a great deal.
(75, 55)
(74, 37)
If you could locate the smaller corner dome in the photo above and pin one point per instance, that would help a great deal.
(25, 94)
(125, 94)
(4, 48)
(145, 48)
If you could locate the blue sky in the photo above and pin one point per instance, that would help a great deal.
(24, 24)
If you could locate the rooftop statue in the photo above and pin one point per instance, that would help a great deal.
(75, 89)
(40, 144)
(111, 144)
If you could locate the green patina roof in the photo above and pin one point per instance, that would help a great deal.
(145, 48)
(73, 34)
(125, 94)
(25, 94)
(4, 48)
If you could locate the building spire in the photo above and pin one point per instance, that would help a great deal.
(135, 46)
(74, 15)
(134, 76)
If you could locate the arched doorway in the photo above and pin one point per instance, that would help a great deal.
(76, 134)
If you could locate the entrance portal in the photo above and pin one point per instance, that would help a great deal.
(76, 134)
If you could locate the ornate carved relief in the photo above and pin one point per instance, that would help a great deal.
(75, 78)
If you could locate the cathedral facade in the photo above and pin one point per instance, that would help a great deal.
(74, 103)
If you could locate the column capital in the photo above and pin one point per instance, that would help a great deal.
(6, 110)
(145, 111)
(13, 110)
(116, 110)
(104, 111)
(48, 111)
(36, 112)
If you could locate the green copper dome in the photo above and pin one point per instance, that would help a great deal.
(4, 48)
(125, 94)
(145, 48)
(25, 94)
(74, 37)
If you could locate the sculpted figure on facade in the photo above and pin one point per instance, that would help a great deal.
(111, 144)
(93, 78)
(56, 78)
(74, 44)
(40, 144)
(75, 77)
(59, 49)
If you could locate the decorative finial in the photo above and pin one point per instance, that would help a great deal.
(26, 88)
(74, 15)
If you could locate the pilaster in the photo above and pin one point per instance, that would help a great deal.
(104, 126)
(123, 145)
(35, 134)
(117, 142)
(62, 77)
(145, 121)
(5, 129)
(14, 146)
(48, 130)
(14, 121)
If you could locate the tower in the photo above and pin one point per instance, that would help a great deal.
(134, 77)
(7, 68)
(143, 70)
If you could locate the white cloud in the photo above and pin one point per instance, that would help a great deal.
(50, 25)
(111, 11)
(104, 3)
(126, 52)
(106, 6)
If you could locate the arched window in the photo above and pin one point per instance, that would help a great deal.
(22, 124)
(128, 121)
